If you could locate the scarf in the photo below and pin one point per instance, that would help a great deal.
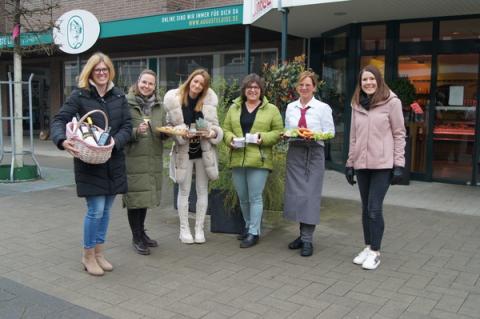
(146, 103)
(364, 100)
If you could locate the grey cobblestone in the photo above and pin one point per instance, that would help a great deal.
(430, 263)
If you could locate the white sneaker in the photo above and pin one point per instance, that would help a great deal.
(360, 258)
(372, 261)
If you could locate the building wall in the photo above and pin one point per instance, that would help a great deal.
(124, 9)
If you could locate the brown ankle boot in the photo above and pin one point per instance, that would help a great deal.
(101, 261)
(90, 262)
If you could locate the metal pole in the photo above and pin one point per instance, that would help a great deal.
(248, 42)
(284, 33)
(12, 125)
(30, 118)
(78, 66)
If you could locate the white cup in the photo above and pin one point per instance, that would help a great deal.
(239, 142)
(251, 138)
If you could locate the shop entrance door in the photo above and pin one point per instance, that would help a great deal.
(455, 117)
(40, 99)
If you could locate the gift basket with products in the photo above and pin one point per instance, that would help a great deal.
(93, 143)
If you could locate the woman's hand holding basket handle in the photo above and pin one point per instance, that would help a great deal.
(69, 146)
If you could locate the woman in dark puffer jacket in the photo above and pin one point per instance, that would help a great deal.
(101, 182)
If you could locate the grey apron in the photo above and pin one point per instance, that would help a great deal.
(304, 181)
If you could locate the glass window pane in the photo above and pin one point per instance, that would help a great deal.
(233, 65)
(460, 29)
(335, 43)
(333, 93)
(127, 72)
(416, 32)
(378, 61)
(417, 70)
(373, 37)
(455, 112)
(179, 68)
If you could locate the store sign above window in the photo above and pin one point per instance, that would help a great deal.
(194, 19)
(254, 9)
(76, 32)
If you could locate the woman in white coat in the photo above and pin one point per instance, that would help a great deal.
(184, 106)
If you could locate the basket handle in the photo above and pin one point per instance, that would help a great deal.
(77, 126)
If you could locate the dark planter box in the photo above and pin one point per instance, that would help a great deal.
(223, 219)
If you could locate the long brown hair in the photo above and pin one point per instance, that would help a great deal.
(87, 70)
(381, 94)
(134, 88)
(185, 88)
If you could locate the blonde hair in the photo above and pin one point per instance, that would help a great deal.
(134, 88)
(185, 88)
(308, 74)
(87, 70)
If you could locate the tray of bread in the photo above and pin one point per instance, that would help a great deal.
(170, 130)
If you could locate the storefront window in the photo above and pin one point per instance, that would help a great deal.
(460, 29)
(336, 42)
(333, 93)
(455, 115)
(378, 61)
(417, 70)
(127, 72)
(416, 32)
(373, 37)
(233, 66)
(70, 77)
(179, 68)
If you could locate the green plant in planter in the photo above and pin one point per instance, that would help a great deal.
(406, 92)
(281, 80)
(226, 94)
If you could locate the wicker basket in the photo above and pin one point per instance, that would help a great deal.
(91, 154)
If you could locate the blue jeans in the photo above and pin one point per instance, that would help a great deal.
(96, 220)
(249, 183)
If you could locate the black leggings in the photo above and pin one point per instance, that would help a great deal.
(373, 185)
(136, 219)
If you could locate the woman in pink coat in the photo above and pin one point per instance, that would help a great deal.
(376, 155)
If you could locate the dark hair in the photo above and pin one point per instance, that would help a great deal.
(248, 80)
(134, 88)
(381, 94)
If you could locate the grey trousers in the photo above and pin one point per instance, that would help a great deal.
(306, 232)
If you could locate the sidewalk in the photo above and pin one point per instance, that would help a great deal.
(430, 261)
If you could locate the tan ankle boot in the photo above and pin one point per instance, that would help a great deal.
(90, 263)
(101, 261)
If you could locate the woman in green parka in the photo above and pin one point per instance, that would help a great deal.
(143, 158)
(252, 127)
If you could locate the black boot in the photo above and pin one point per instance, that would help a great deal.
(249, 241)
(139, 244)
(148, 241)
(243, 234)
(141, 220)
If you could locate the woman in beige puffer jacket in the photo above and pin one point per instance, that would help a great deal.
(192, 101)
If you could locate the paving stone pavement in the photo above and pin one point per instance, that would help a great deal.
(430, 265)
